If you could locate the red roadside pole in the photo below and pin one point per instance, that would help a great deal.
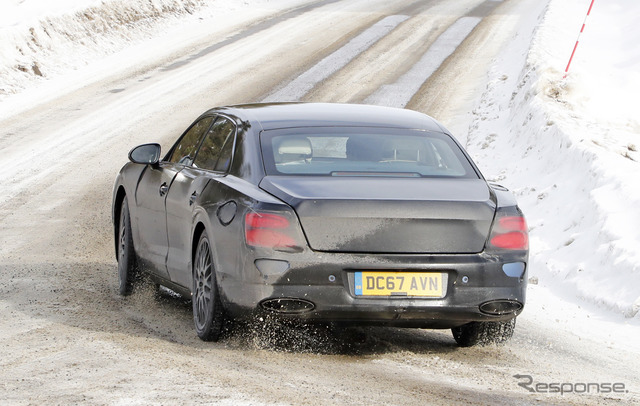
(578, 40)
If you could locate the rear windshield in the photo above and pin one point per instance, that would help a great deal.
(363, 152)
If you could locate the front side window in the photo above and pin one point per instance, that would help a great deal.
(215, 152)
(185, 150)
(363, 152)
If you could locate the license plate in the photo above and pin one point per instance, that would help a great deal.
(425, 284)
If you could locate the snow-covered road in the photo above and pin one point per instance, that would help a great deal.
(68, 338)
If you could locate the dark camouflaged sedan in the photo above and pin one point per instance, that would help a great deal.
(351, 214)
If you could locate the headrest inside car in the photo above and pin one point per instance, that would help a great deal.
(297, 146)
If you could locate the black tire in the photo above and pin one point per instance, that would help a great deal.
(208, 315)
(484, 332)
(127, 269)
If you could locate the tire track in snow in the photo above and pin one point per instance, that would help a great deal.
(399, 94)
(300, 86)
(251, 30)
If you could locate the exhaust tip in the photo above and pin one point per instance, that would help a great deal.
(501, 307)
(288, 305)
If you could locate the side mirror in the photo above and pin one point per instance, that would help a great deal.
(147, 154)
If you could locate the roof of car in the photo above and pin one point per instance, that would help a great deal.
(287, 115)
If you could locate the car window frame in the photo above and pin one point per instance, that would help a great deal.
(169, 153)
(233, 147)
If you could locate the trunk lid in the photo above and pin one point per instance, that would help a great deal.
(388, 215)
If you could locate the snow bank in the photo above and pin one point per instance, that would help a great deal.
(571, 149)
(40, 38)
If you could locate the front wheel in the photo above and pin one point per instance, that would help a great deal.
(207, 308)
(484, 332)
(127, 272)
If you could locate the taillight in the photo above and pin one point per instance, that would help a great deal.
(509, 233)
(271, 230)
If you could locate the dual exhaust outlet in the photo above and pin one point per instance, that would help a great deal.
(297, 306)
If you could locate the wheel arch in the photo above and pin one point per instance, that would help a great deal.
(197, 232)
(203, 226)
(117, 208)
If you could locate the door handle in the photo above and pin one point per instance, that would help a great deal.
(163, 189)
(193, 197)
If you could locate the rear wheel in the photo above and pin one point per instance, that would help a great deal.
(207, 307)
(484, 332)
(127, 272)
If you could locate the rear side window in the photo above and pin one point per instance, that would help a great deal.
(215, 152)
(185, 150)
(363, 152)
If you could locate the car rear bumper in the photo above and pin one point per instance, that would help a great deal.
(321, 288)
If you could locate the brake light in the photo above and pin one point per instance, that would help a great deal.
(272, 231)
(510, 233)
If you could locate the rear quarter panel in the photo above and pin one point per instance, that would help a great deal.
(233, 259)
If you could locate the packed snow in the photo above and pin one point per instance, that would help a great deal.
(568, 147)
(404, 88)
(48, 48)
